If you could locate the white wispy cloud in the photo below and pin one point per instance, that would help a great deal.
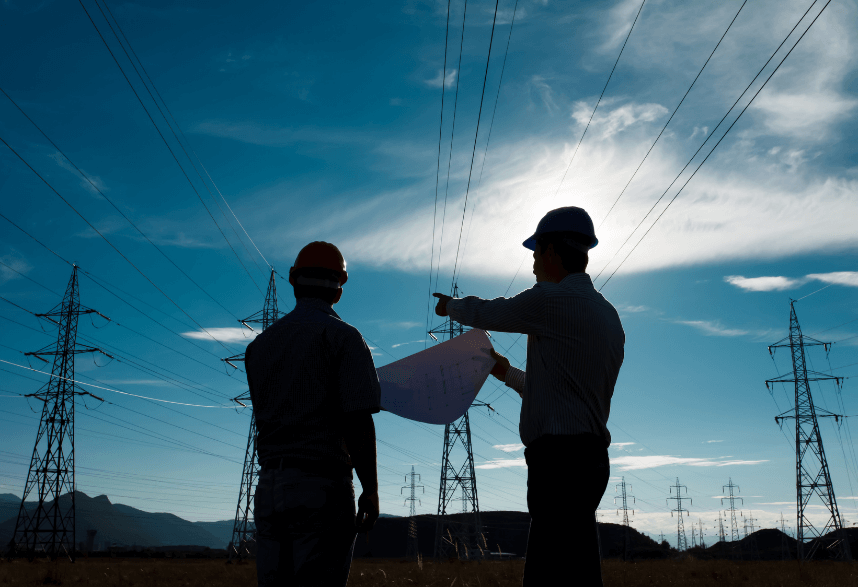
(502, 463)
(711, 328)
(509, 447)
(711, 441)
(628, 309)
(449, 80)
(15, 262)
(240, 335)
(780, 283)
(622, 445)
(775, 283)
(632, 463)
(397, 345)
(609, 122)
(849, 278)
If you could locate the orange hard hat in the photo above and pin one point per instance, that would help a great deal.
(321, 255)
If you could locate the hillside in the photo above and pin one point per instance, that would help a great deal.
(124, 525)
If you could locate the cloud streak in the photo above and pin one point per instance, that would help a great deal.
(237, 335)
(780, 283)
(633, 463)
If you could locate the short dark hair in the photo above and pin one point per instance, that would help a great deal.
(326, 294)
(573, 259)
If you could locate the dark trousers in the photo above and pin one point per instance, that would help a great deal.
(305, 528)
(566, 478)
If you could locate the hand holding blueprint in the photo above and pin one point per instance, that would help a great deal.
(437, 385)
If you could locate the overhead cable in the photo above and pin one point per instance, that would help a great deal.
(438, 170)
(167, 144)
(114, 390)
(599, 101)
(675, 110)
(115, 207)
(452, 135)
(105, 239)
(184, 137)
(489, 138)
(474, 150)
(719, 142)
(127, 42)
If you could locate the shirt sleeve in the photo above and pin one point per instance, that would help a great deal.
(515, 379)
(524, 313)
(359, 388)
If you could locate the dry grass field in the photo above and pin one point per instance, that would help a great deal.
(105, 572)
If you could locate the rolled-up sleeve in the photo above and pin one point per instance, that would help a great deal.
(524, 313)
(358, 381)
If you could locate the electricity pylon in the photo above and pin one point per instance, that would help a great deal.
(734, 527)
(466, 539)
(49, 525)
(700, 533)
(693, 536)
(624, 506)
(721, 536)
(681, 539)
(411, 550)
(785, 555)
(244, 527)
(752, 542)
(811, 467)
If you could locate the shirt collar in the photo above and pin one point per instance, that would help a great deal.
(316, 304)
(577, 279)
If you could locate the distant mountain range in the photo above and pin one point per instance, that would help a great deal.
(505, 531)
(127, 526)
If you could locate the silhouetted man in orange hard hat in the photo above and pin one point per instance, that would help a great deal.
(314, 390)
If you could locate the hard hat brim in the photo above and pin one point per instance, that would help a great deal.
(530, 243)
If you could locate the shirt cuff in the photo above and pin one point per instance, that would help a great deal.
(451, 307)
(515, 379)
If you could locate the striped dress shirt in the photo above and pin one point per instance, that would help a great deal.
(307, 372)
(574, 353)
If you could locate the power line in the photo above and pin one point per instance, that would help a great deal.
(146, 73)
(164, 139)
(452, 135)
(438, 171)
(599, 101)
(115, 207)
(476, 136)
(120, 298)
(675, 110)
(105, 239)
(116, 353)
(114, 390)
(488, 139)
(587, 127)
(721, 139)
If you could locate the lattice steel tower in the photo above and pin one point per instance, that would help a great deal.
(244, 528)
(624, 506)
(722, 537)
(465, 539)
(811, 466)
(411, 550)
(49, 525)
(734, 527)
(681, 539)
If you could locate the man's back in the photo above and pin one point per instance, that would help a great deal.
(573, 363)
(305, 371)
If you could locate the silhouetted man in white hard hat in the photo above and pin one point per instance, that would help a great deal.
(574, 353)
(314, 390)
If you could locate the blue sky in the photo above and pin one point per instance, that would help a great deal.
(321, 122)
